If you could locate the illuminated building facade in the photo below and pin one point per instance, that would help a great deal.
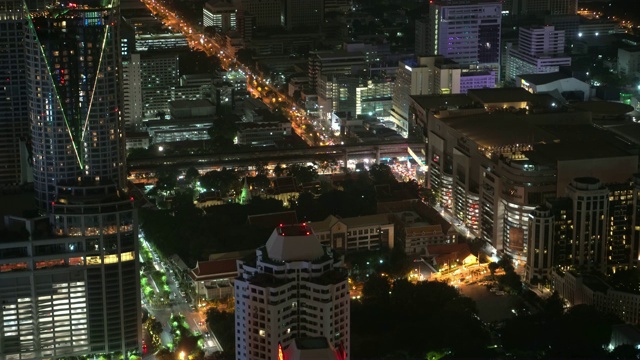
(425, 75)
(69, 283)
(294, 288)
(540, 50)
(72, 63)
(220, 14)
(491, 167)
(76, 292)
(467, 32)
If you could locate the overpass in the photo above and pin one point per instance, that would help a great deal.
(253, 156)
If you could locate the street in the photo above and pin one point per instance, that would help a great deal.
(179, 305)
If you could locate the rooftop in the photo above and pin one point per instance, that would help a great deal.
(540, 79)
(214, 269)
(187, 104)
(604, 107)
(501, 95)
(434, 102)
(312, 348)
(293, 243)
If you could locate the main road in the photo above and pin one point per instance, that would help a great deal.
(197, 40)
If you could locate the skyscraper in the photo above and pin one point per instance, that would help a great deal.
(294, 288)
(69, 280)
(14, 121)
(467, 32)
(72, 67)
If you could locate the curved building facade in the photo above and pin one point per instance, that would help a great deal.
(72, 67)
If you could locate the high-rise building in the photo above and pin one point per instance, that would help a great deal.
(467, 32)
(425, 75)
(220, 14)
(267, 13)
(294, 288)
(540, 7)
(72, 65)
(541, 235)
(14, 119)
(590, 214)
(132, 105)
(76, 292)
(69, 284)
(307, 14)
(540, 50)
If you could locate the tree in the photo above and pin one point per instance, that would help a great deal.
(167, 178)
(261, 182)
(303, 174)
(279, 170)
(377, 288)
(382, 174)
(191, 175)
(583, 332)
(224, 181)
(493, 266)
(223, 324)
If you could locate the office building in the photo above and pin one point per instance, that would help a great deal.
(132, 105)
(304, 14)
(160, 73)
(14, 118)
(540, 7)
(540, 50)
(334, 63)
(425, 75)
(265, 13)
(73, 90)
(467, 32)
(293, 288)
(629, 61)
(354, 95)
(337, 6)
(220, 14)
(421, 36)
(69, 284)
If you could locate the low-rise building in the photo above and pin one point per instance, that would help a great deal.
(567, 86)
(450, 256)
(213, 279)
(371, 232)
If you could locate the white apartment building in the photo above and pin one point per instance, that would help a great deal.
(540, 50)
(294, 288)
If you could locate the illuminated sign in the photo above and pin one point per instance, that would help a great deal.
(408, 67)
